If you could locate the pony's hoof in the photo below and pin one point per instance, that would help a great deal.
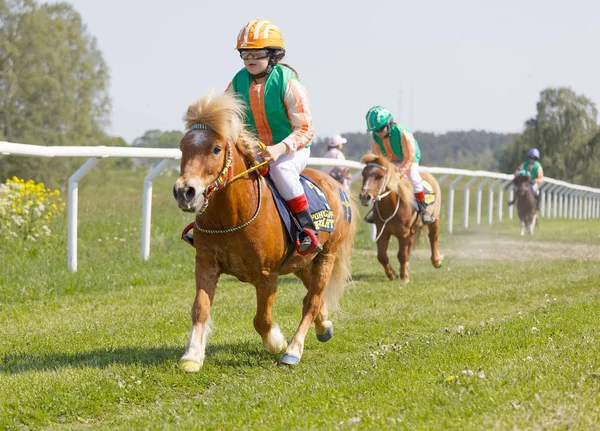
(326, 336)
(190, 366)
(288, 360)
(437, 264)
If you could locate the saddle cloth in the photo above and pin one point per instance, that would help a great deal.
(318, 204)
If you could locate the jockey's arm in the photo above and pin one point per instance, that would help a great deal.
(375, 149)
(540, 176)
(408, 151)
(299, 113)
(519, 169)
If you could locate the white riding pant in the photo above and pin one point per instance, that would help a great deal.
(413, 176)
(285, 173)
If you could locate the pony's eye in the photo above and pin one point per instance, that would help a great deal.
(216, 150)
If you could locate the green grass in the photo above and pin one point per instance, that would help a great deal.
(100, 348)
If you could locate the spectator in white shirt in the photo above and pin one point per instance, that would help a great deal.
(341, 174)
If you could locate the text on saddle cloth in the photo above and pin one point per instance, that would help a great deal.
(318, 203)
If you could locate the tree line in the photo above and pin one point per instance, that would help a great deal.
(54, 91)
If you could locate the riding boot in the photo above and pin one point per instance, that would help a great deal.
(306, 240)
(427, 218)
(369, 218)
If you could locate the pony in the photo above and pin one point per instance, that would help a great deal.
(241, 234)
(526, 203)
(395, 212)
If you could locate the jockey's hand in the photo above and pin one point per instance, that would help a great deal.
(273, 152)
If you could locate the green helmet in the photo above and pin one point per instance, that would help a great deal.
(377, 117)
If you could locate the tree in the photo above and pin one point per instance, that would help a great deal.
(564, 126)
(53, 83)
(159, 139)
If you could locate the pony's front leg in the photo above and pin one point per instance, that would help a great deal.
(272, 338)
(206, 283)
(522, 228)
(404, 256)
(382, 257)
(321, 268)
(532, 224)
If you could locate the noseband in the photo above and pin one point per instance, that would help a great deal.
(381, 195)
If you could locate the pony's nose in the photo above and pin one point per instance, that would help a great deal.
(184, 193)
(364, 198)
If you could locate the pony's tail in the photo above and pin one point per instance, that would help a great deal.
(341, 274)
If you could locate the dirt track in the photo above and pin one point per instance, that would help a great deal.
(483, 248)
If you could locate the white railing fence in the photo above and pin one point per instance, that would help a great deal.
(559, 199)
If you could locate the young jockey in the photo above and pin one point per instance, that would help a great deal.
(398, 144)
(534, 167)
(278, 113)
(334, 151)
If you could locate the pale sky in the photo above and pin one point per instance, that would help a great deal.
(438, 65)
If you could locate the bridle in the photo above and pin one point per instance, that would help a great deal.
(380, 196)
(223, 180)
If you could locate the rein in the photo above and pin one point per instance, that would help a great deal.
(223, 180)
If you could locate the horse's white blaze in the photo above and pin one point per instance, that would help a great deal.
(275, 341)
(199, 137)
(196, 346)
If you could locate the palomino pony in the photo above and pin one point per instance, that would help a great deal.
(526, 203)
(240, 233)
(395, 212)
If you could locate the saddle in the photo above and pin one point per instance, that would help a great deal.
(319, 205)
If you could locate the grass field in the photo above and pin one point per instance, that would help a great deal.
(504, 336)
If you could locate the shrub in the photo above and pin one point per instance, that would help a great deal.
(26, 209)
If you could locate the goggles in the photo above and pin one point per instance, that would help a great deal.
(254, 54)
(381, 129)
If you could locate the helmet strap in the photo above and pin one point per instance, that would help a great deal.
(274, 58)
(389, 124)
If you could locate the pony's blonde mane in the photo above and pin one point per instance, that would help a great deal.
(401, 187)
(224, 114)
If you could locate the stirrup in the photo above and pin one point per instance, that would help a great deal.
(369, 218)
(186, 236)
(309, 244)
(427, 218)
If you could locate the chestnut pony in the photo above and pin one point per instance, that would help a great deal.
(238, 231)
(395, 213)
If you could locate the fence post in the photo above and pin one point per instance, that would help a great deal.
(147, 206)
(467, 205)
(491, 200)
(501, 197)
(451, 201)
(72, 211)
(478, 208)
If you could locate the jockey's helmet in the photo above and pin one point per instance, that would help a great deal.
(260, 34)
(534, 152)
(378, 117)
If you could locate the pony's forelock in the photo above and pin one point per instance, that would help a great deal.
(224, 114)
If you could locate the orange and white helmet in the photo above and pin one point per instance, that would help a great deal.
(259, 34)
